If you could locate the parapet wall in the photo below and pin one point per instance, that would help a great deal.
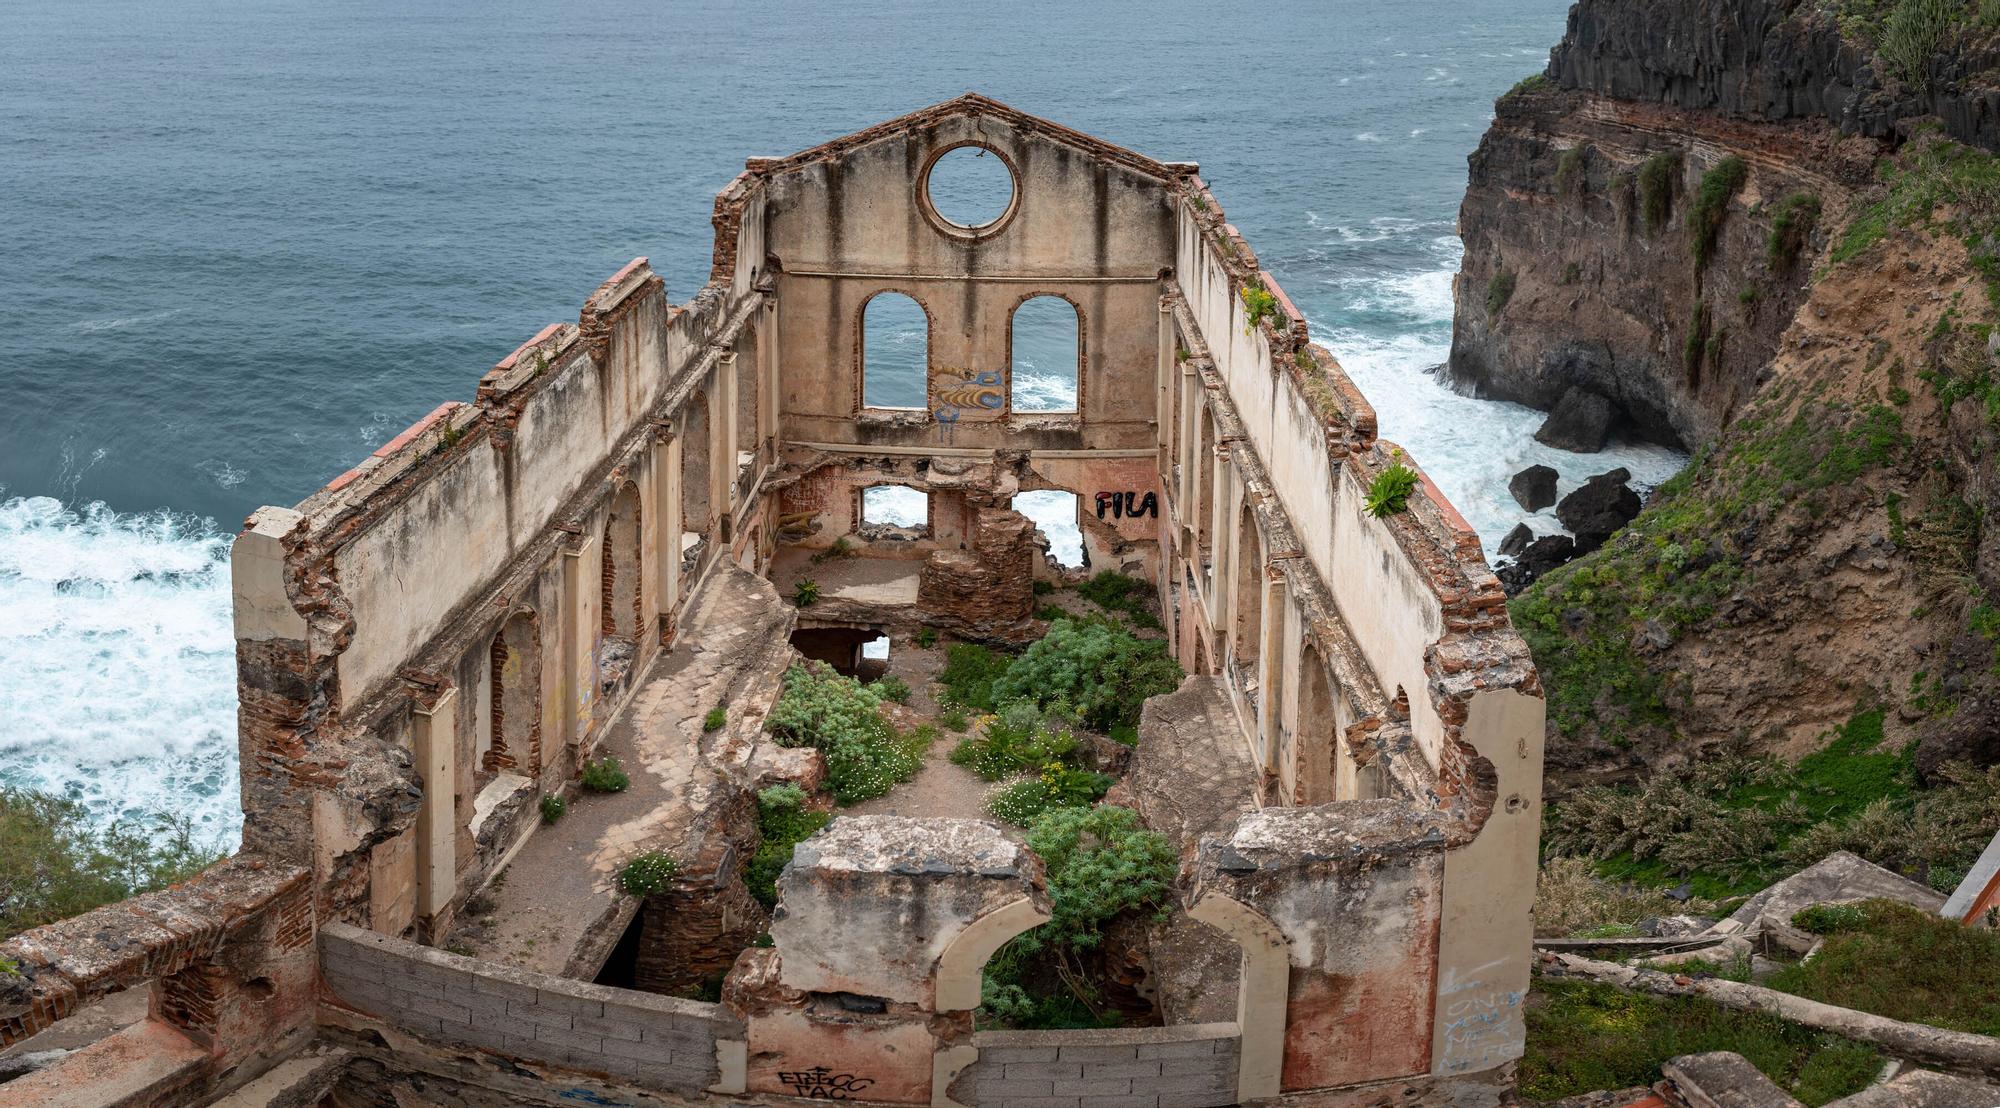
(655, 1042)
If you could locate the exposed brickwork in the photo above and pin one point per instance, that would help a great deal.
(654, 1042)
(1155, 1067)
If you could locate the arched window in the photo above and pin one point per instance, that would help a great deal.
(1047, 364)
(895, 353)
(622, 597)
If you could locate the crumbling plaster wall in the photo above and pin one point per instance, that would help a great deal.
(847, 224)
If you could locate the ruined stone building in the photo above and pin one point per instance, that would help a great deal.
(599, 548)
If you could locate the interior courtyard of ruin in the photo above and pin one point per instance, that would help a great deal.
(644, 520)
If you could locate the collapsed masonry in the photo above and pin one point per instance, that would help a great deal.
(594, 550)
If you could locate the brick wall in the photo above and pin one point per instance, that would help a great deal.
(1189, 1066)
(651, 1041)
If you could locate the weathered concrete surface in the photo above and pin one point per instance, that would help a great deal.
(1924, 1089)
(146, 1063)
(1838, 877)
(1721, 1079)
(559, 910)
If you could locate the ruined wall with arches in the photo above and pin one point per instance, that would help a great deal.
(447, 633)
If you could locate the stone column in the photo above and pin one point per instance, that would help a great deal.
(433, 744)
(1271, 679)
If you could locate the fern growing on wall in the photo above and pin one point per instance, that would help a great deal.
(1390, 491)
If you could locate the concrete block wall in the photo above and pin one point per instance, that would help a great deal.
(651, 1041)
(1189, 1066)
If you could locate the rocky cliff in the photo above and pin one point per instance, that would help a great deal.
(1765, 230)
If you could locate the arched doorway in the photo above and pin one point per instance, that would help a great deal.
(1248, 565)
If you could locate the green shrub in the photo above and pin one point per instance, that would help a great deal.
(927, 637)
(1018, 738)
(805, 592)
(1572, 273)
(716, 719)
(1533, 82)
(1656, 189)
(1570, 169)
(1915, 33)
(648, 873)
(1828, 919)
(783, 821)
(605, 775)
(1694, 348)
(1056, 786)
(968, 675)
(1099, 671)
(1118, 592)
(1390, 491)
(55, 864)
(1711, 205)
(953, 719)
(1791, 228)
(893, 688)
(553, 808)
(1499, 290)
(1903, 963)
(839, 716)
(1049, 613)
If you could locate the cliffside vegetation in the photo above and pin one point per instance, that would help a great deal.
(54, 863)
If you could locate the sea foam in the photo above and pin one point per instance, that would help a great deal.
(117, 662)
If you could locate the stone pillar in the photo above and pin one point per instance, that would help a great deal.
(573, 682)
(722, 445)
(1271, 680)
(1221, 540)
(1355, 891)
(1486, 935)
(987, 591)
(882, 926)
(433, 743)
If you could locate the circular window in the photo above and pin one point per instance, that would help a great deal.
(970, 187)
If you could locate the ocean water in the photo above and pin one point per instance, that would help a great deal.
(243, 242)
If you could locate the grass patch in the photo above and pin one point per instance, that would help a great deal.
(968, 676)
(1583, 1037)
(1791, 228)
(1681, 557)
(1533, 82)
(1118, 592)
(1499, 290)
(1889, 958)
(1571, 168)
(1656, 189)
(1711, 205)
(1932, 173)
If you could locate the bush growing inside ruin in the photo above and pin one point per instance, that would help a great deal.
(1258, 304)
(716, 719)
(1099, 670)
(1390, 491)
(783, 821)
(55, 864)
(1101, 864)
(893, 688)
(553, 808)
(648, 873)
(841, 717)
(927, 637)
(1119, 592)
(968, 675)
(1057, 786)
(1021, 736)
(605, 775)
(805, 593)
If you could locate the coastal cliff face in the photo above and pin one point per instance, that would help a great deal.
(1758, 234)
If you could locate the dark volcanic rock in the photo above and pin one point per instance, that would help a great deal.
(1580, 422)
(1516, 541)
(1534, 488)
(1541, 556)
(1600, 507)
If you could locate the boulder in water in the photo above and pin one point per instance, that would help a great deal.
(1534, 488)
(1516, 541)
(1541, 556)
(1580, 422)
(1603, 505)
